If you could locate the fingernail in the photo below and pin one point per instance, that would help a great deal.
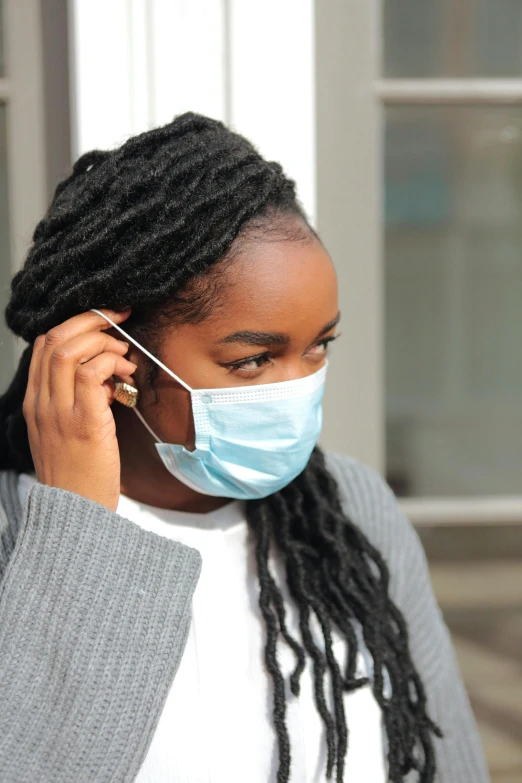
(122, 342)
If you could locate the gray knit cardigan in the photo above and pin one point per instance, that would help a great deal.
(94, 616)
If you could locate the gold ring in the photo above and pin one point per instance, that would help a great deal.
(126, 394)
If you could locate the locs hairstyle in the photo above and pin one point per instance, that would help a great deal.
(146, 225)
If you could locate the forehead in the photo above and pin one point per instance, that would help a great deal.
(278, 285)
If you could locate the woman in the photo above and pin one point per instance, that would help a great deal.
(281, 626)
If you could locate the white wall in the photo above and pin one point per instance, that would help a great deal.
(248, 63)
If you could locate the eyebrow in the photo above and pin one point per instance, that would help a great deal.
(248, 337)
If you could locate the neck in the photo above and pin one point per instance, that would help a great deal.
(143, 475)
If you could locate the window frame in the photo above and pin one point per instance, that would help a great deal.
(352, 96)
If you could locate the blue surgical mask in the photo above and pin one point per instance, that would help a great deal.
(251, 441)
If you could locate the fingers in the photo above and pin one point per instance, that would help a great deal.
(29, 403)
(56, 337)
(67, 357)
(90, 378)
(71, 428)
(84, 322)
(33, 381)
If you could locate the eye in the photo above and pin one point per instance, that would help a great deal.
(321, 348)
(251, 364)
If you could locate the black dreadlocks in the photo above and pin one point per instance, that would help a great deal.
(144, 226)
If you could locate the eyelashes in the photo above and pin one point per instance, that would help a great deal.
(262, 358)
(266, 357)
(326, 341)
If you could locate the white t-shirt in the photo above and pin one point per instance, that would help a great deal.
(216, 725)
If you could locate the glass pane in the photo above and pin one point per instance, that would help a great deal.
(454, 299)
(445, 38)
(6, 338)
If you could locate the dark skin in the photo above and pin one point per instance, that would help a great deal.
(275, 316)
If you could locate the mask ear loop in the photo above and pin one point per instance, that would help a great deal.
(163, 367)
(136, 343)
(138, 414)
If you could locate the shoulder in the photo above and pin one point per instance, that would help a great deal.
(370, 504)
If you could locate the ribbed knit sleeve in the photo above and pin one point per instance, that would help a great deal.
(10, 514)
(94, 615)
(370, 504)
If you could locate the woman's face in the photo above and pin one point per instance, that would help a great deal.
(277, 310)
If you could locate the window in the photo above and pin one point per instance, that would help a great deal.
(419, 114)
(444, 38)
(453, 248)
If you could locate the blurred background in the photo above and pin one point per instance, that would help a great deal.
(401, 121)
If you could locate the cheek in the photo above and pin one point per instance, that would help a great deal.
(171, 417)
